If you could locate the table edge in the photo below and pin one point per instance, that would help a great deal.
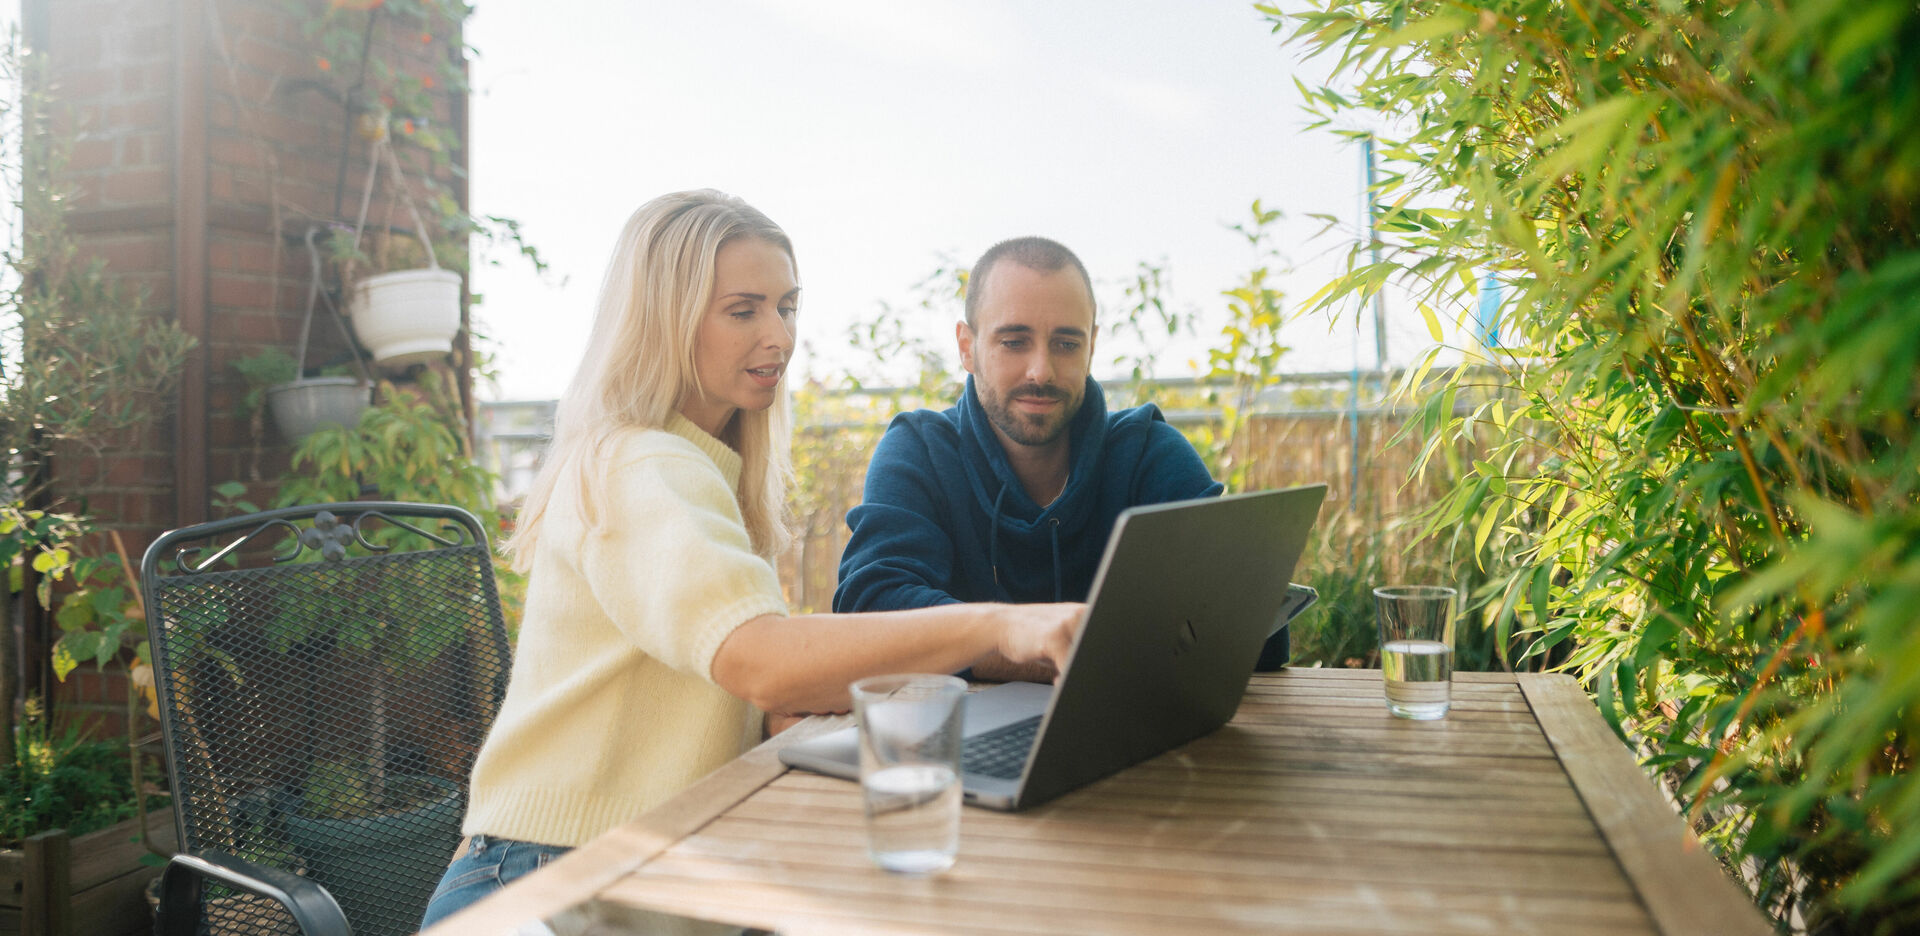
(591, 868)
(1682, 885)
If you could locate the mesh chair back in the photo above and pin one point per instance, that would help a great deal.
(326, 675)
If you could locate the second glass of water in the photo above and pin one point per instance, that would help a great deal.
(1416, 648)
(910, 769)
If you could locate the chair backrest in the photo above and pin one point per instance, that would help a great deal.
(326, 675)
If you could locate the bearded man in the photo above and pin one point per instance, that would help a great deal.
(1010, 494)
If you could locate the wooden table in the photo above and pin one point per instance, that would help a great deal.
(1313, 811)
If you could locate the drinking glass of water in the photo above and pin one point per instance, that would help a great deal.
(1416, 648)
(910, 769)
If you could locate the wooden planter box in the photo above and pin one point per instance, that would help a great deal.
(57, 885)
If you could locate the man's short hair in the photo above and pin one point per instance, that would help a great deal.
(1034, 253)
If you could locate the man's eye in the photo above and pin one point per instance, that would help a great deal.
(1069, 345)
(1014, 344)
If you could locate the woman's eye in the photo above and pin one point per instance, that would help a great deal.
(789, 311)
(743, 313)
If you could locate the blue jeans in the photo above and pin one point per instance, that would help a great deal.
(486, 864)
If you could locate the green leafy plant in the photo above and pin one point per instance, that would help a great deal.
(83, 362)
(1248, 354)
(1706, 216)
(64, 781)
(405, 448)
(267, 368)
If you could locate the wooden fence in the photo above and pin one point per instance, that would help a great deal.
(1307, 428)
(1365, 469)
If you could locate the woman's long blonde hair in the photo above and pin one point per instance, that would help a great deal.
(639, 367)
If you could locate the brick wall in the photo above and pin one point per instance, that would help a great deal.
(269, 153)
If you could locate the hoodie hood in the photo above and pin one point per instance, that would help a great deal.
(993, 481)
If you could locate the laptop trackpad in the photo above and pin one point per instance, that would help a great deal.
(838, 753)
(1003, 705)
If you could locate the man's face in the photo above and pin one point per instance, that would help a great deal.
(1029, 350)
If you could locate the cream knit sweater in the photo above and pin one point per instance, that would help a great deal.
(611, 707)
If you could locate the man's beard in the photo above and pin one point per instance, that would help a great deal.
(1030, 429)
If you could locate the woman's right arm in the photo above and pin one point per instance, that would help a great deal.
(804, 664)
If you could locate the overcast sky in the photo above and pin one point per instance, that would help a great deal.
(887, 137)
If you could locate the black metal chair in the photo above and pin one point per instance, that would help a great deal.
(326, 675)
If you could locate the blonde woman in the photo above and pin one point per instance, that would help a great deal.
(655, 633)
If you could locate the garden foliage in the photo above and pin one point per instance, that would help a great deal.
(1709, 219)
(65, 781)
(81, 362)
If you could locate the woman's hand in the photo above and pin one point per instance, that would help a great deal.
(1039, 633)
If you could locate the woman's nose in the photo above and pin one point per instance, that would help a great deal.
(781, 335)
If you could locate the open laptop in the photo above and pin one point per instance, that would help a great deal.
(1184, 599)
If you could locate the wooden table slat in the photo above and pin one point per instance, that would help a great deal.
(1476, 870)
(1050, 907)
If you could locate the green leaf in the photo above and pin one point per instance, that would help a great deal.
(1433, 27)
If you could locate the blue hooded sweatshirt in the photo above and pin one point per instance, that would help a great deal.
(945, 519)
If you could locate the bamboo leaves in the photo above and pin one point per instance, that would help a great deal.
(1707, 216)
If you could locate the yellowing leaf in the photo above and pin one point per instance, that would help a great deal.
(1433, 322)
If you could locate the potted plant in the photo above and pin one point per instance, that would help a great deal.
(299, 405)
(409, 314)
(392, 65)
(302, 404)
(408, 309)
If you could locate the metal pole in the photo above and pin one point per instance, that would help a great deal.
(1373, 245)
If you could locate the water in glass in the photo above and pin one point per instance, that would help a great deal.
(913, 817)
(1417, 674)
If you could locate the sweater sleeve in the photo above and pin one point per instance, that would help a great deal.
(674, 568)
(1170, 469)
(899, 554)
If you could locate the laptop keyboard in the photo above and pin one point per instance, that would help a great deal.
(1002, 752)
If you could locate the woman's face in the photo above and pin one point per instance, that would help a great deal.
(741, 348)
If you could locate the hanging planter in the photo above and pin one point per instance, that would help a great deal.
(403, 317)
(301, 406)
(408, 316)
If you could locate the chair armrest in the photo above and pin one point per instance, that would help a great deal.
(311, 906)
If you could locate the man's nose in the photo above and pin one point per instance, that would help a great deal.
(1040, 368)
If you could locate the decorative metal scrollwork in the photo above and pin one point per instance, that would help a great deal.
(329, 535)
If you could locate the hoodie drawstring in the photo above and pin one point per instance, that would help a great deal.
(993, 537)
(993, 546)
(1053, 529)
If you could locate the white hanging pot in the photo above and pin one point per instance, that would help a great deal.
(408, 316)
(304, 405)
